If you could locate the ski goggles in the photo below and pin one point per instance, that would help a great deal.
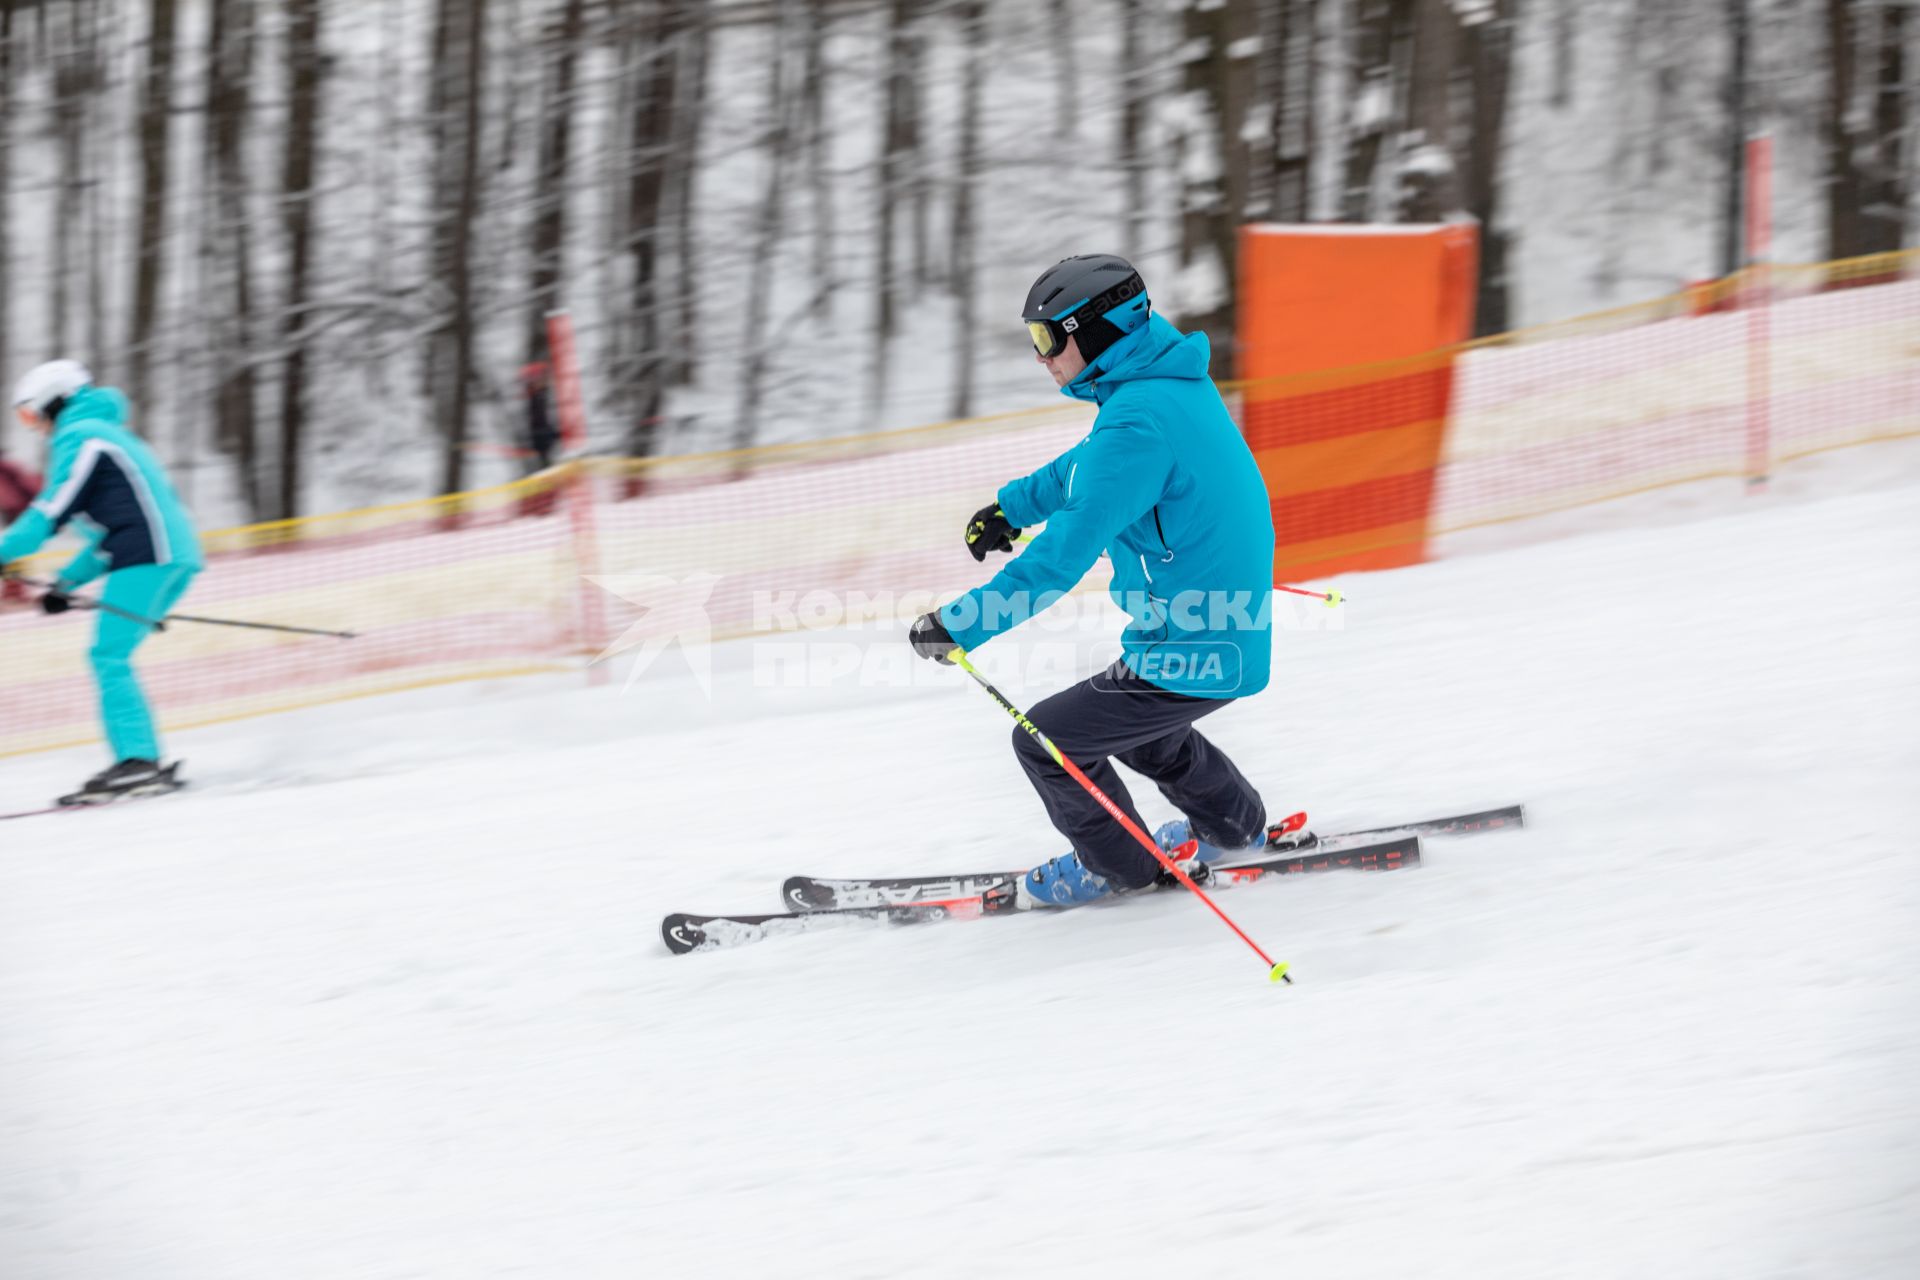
(1050, 335)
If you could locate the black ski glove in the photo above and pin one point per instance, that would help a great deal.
(990, 530)
(930, 639)
(56, 600)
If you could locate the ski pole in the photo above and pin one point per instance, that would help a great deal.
(160, 624)
(1275, 972)
(1331, 597)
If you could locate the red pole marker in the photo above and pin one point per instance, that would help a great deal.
(1331, 597)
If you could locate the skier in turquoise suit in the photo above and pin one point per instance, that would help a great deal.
(1165, 487)
(138, 534)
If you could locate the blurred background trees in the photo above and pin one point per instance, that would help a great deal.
(317, 240)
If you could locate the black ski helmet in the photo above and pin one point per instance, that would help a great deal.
(1097, 297)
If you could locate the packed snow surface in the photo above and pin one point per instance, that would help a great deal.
(384, 995)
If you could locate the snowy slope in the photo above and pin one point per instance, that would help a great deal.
(385, 997)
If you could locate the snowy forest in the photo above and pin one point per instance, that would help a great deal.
(315, 240)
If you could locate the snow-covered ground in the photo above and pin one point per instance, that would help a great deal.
(384, 996)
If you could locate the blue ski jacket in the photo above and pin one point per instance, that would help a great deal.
(102, 475)
(1165, 486)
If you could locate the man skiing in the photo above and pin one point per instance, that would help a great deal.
(1165, 486)
(138, 534)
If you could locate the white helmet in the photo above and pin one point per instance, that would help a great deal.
(49, 384)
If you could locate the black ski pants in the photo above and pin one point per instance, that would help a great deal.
(1116, 715)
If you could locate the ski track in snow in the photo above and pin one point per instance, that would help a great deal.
(384, 996)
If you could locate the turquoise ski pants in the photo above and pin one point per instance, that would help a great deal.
(148, 591)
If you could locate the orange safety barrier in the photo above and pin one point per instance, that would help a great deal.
(1350, 456)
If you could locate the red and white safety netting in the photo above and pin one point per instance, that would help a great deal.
(544, 573)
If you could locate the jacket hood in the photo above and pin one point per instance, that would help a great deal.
(1156, 350)
(95, 404)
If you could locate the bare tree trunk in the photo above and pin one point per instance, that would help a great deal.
(1133, 121)
(1370, 112)
(75, 75)
(7, 63)
(695, 46)
(919, 174)
(1733, 189)
(388, 169)
(1894, 128)
(1219, 77)
(439, 128)
(1490, 45)
(623, 33)
(647, 365)
(966, 283)
(458, 76)
(547, 246)
(1620, 189)
(895, 143)
(226, 250)
(1564, 43)
(1868, 186)
(297, 197)
(1429, 186)
(819, 142)
(1302, 125)
(1066, 71)
(766, 235)
(99, 167)
(1672, 63)
(156, 119)
(1843, 177)
(1263, 114)
(1288, 83)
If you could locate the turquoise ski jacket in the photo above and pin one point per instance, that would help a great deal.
(1165, 486)
(106, 478)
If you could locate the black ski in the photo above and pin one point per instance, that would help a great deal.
(1388, 855)
(163, 783)
(815, 893)
(683, 932)
(166, 783)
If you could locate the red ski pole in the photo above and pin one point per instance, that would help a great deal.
(1276, 972)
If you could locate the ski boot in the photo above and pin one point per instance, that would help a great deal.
(1289, 835)
(1060, 882)
(126, 780)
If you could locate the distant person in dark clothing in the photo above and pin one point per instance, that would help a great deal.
(17, 488)
(542, 435)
